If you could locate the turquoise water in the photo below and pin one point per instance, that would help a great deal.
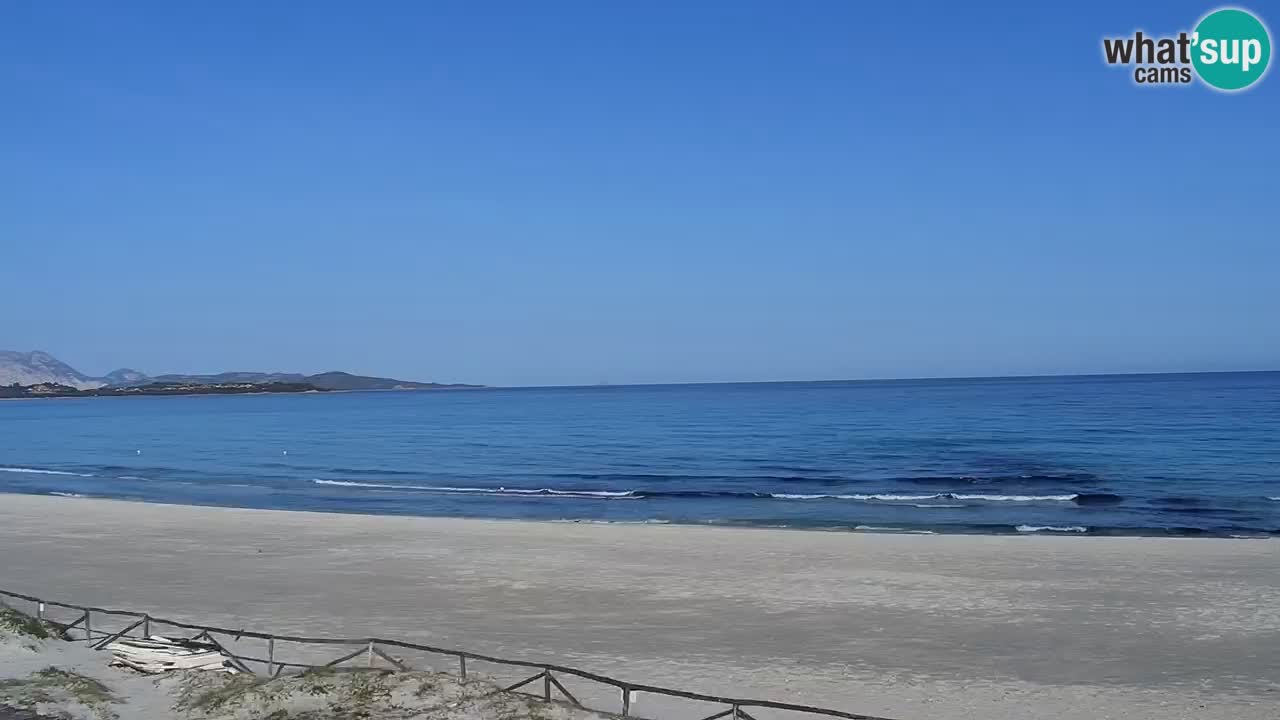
(1163, 454)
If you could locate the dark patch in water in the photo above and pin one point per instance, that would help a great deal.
(665, 478)
(1212, 512)
(1179, 500)
(701, 494)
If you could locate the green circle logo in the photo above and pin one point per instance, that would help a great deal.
(1231, 49)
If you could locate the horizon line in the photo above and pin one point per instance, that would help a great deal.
(1043, 376)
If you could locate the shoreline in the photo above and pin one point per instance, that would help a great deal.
(989, 529)
(908, 626)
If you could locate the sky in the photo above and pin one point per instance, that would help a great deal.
(517, 193)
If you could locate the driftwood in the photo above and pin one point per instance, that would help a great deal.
(160, 654)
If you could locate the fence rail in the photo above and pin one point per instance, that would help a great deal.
(373, 648)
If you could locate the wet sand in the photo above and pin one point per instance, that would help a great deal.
(901, 626)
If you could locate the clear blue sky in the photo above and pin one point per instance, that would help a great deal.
(575, 192)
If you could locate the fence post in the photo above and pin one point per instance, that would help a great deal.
(626, 701)
(462, 666)
(370, 653)
(271, 656)
(40, 610)
(546, 685)
(736, 712)
(88, 626)
(146, 627)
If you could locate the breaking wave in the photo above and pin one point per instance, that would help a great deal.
(1052, 528)
(1024, 479)
(1079, 498)
(38, 471)
(548, 492)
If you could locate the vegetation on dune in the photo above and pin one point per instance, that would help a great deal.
(14, 622)
(353, 694)
(331, 693)
(55, 686)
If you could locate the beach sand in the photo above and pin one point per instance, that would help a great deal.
(908, 627)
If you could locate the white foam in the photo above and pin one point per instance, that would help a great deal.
(590, 521)
(640, 494)
(1277, 499)
(1051, 528)
(874, 528)
(892, 497)
(66, 494)
(36, 471)
(129, 477)
(593, 493)
(348, 483)
(1018, 498)
(543, 492)
(887, 497)
(794, 496)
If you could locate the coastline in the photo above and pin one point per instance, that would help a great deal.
(984, 529)
(927, 626)
(253, 393)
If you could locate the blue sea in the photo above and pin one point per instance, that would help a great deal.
(1195, 454)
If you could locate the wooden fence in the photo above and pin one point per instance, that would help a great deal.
(371, 650)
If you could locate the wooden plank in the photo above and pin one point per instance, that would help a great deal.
(345, 658)
(112, 638)
(522, 683)
(68, 627)
(394, 662)
(231, 657)
(563, 691)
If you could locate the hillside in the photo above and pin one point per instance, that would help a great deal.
(37, 367)
(325, 381)
(41, 368)
(48, 390)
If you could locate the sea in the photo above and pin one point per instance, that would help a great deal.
(1183, 455)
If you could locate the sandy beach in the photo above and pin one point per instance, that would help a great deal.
(901, 626)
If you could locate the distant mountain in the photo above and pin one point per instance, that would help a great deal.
(325, 381)
(39, 367)
(125, 376)
(337, 380)
(226, 377)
